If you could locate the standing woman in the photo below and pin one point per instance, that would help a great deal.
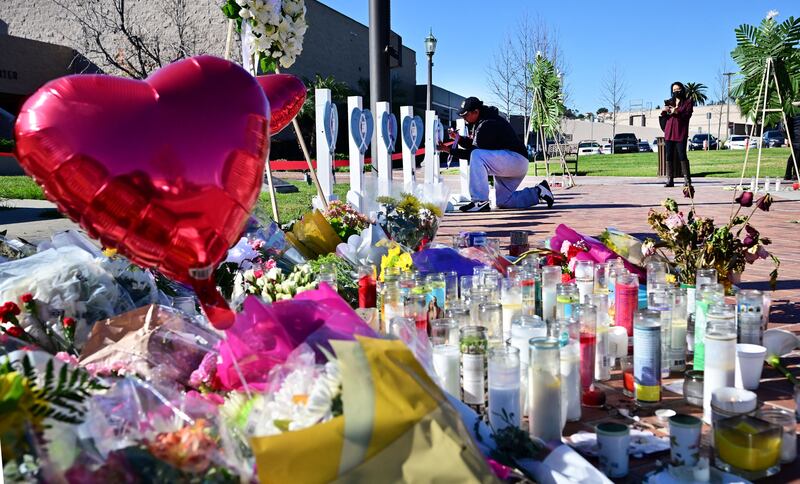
(679, 110)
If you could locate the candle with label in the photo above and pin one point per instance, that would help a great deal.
(647, 357)
(551, 276)
(473, 345)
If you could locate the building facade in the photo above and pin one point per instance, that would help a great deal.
(334, 45)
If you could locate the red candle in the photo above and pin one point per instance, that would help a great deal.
(367, 287)
(626, 301)
(367, 292)
(627, 379)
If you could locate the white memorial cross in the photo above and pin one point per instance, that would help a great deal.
(360, 135)
(387, 135)
(327, 125)
(412, 130)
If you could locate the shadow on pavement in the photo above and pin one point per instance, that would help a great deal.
(12, 215)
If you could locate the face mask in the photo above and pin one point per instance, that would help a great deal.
(677, 93)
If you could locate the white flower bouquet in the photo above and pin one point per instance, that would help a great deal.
(273, 30)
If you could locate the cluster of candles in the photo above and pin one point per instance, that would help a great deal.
(524, 349)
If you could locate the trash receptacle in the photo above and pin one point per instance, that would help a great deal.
(662, 160)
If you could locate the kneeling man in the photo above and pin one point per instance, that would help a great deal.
(493, 148)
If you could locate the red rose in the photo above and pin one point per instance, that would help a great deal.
(258, 273)
(11, 308)
(745, 199)
(68, 322)
(565, 278)
(15, 331)
(27, 298)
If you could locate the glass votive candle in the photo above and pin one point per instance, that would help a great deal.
(747, 446)
(367, 287)
(523, 328)
(446, 363)
(785, 419)
(491, 317)
(444, 332)
(504, 387)
(519, 243)
(693, 388)
(416, 309)
(731, 402)
(451, 288)
(460, 313)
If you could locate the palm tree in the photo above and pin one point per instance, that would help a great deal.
(754, 45)
(696, 91)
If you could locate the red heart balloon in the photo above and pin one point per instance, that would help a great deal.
(286, 94)
(165, 170)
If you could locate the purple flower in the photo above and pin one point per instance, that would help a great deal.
(745, 199)
(764, 202)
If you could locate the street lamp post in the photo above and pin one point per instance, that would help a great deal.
(430, 48)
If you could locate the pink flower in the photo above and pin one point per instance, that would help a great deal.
(66, 358)
(257, 244)
(674, 221)
(270, 264)
(258, 273)
(205, 373)
(499, 469)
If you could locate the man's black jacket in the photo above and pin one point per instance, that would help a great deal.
(490, 132)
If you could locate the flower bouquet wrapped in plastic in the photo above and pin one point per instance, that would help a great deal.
(265, 334)
(395, 425)
(597, 251)
(313, 236)
(148, 341)
(408, 221)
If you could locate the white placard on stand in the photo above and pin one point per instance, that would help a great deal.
(327, 126)
(387, 132)
(360, 130)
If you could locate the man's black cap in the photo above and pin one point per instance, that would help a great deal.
(470, 104)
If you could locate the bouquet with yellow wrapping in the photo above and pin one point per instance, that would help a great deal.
(313, 236)
(395, 425)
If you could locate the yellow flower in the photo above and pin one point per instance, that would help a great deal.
(108, 252)
(16, 412)
(671, 279)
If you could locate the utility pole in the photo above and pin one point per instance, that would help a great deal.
(728, 105)
(379, 27)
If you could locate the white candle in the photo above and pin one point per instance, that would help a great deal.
(445, 364)
(545, 412)
(617, 342)
(720, 367)
(571, 379)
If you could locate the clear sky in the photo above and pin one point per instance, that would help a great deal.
(653, 42)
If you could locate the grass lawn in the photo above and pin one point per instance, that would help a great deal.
(21, 187)
(294, 205)
(290, 205)
(723, 163)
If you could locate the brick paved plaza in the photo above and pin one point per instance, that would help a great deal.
(600, 202)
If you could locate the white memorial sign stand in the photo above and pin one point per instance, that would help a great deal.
(413, 130)
(327, 121)
(434, 134)
(360, 136)
(387, 134)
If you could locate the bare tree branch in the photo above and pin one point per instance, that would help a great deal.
(118, 44)
(613, 91)
(502, 77)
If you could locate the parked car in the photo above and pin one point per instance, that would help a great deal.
(697, 142)
(774, 139)
(737, 142)
(605, 149)
(644, 147)
(626, 143)
(589, 148)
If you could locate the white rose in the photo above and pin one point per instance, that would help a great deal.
(241, 3)
(245, 13)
